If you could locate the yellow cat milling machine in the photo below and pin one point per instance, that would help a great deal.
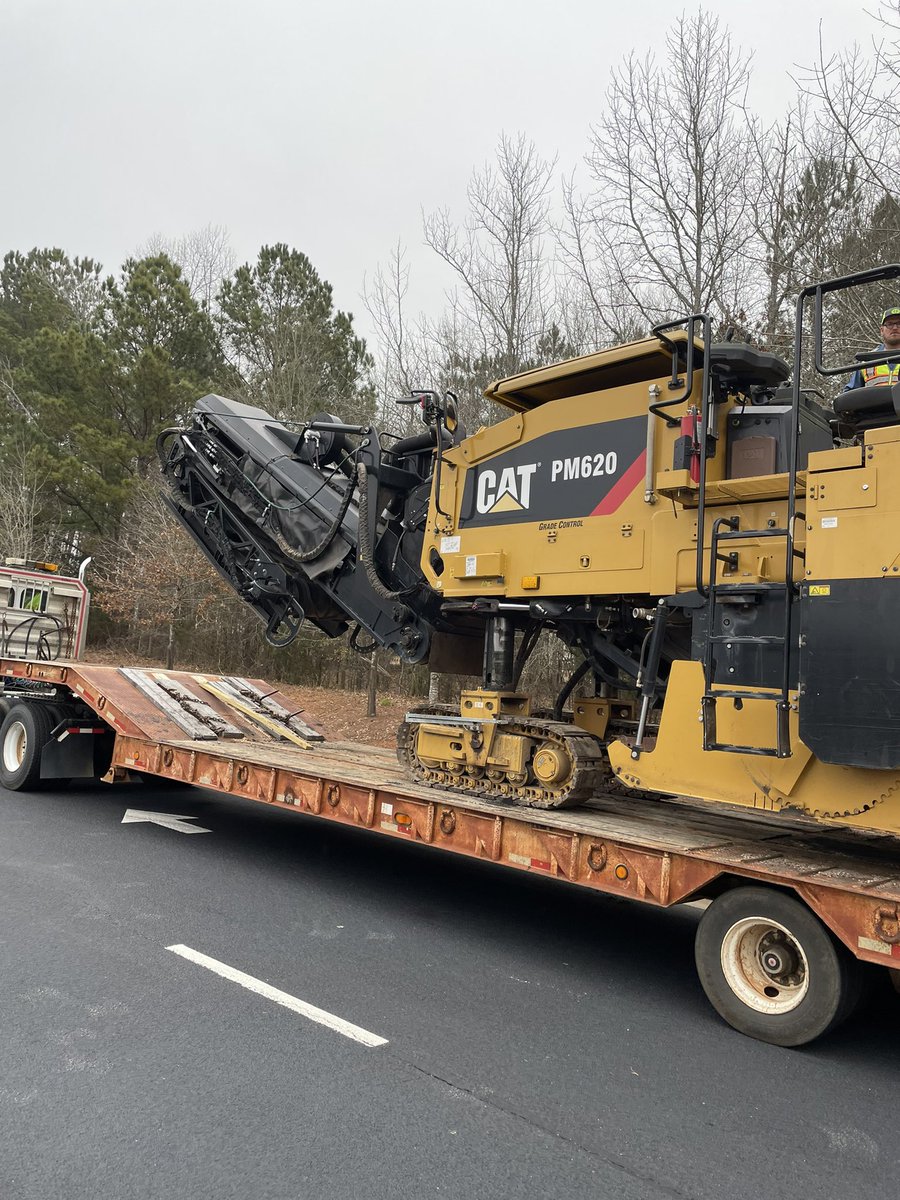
(672, 509)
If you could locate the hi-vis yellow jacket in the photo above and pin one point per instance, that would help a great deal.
(881, 376)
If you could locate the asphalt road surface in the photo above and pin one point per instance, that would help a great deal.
(540, 1041)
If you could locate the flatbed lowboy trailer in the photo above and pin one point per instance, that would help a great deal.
(795, 911)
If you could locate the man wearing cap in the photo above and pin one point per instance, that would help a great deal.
(885, 373)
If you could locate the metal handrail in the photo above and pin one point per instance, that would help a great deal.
(705, 410)
(843, 283)
(660, 331)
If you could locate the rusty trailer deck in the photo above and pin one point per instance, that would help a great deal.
(662, 853)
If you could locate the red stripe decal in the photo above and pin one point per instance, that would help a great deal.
(625, 486)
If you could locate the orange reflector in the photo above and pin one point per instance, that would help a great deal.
(621, 872)
(530, 582)
(402, 819)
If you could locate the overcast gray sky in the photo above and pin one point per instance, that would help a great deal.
(328, 126)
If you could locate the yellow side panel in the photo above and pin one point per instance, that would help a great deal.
(489, 440)
(856, 488)
(680, 766)
(835, 460)
(476, 566)
(853, 516)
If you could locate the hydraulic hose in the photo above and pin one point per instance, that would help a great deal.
(305, 556)
(365, 545)
(569, 687)
(526, 647)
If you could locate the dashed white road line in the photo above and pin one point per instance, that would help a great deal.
(319, 1015)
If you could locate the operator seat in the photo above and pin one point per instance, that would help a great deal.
(868, 407)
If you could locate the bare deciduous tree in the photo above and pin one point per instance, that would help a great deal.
(809, 198)
(151, 577)
(26, 528)
(498, 256)
(204, 255)
(405, 349)
(668, 224)
(25, 531)
(857, 89)
(385, 302)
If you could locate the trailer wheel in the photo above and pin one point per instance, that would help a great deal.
(24, 733)
(772, 970)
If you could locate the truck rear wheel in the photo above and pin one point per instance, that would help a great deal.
(24, 733)
(772, 970)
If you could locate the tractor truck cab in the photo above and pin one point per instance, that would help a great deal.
(43, 619)
(43, 615)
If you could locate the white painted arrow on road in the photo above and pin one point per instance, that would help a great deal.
(169, 820)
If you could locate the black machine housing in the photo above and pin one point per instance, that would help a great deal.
(305, 525)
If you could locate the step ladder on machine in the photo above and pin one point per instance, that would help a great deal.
(727, 529)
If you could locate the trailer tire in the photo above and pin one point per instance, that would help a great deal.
(57, 713)
(23, 735)
(772, 970)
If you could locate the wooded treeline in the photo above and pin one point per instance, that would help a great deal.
(686, 201)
